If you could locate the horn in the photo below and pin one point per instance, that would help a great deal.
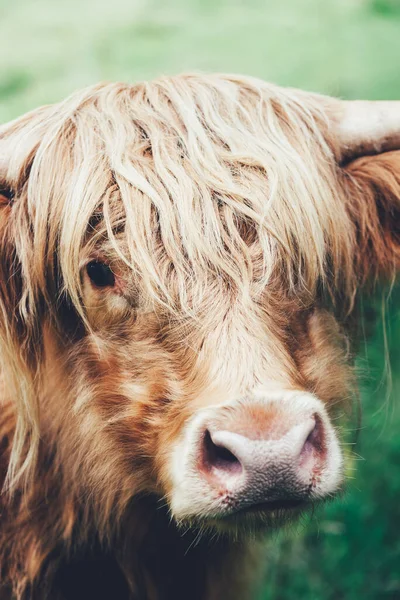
(365, 128)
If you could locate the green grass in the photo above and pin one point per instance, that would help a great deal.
(351, 48)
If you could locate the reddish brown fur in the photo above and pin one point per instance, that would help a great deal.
(373, 200)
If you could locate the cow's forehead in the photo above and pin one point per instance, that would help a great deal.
(207, 177)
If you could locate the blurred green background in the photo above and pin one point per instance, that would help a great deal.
(350, 48)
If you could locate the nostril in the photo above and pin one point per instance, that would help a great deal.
(316, 437)
(218, 459)
(314, 446)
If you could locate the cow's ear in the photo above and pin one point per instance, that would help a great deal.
(20, 338)
(17, 349)
(365, 137)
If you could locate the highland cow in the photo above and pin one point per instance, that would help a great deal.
(180, 266)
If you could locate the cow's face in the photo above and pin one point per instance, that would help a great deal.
(232, 413)
(183, 254)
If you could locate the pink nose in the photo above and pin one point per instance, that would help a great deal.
(276, 468)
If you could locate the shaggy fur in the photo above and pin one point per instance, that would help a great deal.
(239, 242)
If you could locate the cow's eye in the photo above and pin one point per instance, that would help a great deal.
(6, 195)
(100, 274)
